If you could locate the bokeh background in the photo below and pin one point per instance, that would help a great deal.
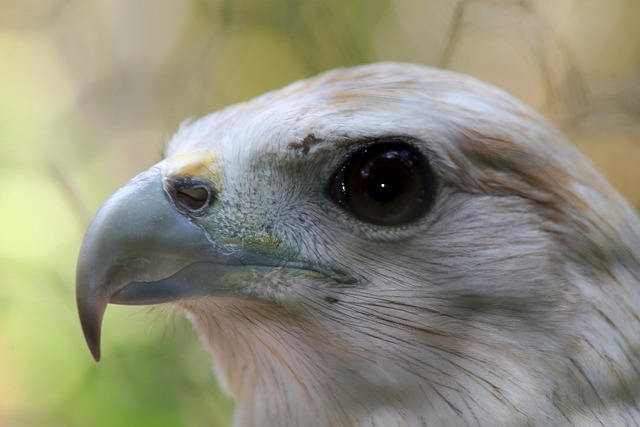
(91, 90)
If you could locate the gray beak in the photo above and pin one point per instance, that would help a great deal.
(146, 247)
(140, 249)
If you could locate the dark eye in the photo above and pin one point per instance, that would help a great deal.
(192, 196)
(386, 184)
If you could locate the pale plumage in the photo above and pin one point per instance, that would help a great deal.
(507, 295)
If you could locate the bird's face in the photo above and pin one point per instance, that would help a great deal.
(380, 235)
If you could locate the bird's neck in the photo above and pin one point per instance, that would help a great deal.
(282, 369)
(289, 373)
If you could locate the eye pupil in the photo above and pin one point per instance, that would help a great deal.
(387, 184)
(383, 185)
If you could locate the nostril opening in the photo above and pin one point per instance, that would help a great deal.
(192, 196)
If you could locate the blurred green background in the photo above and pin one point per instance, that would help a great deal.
(91, 90)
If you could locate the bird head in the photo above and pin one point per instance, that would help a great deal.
(388, 244)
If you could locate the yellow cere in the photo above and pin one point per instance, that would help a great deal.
(203, 165)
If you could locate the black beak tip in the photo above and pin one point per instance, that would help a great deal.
(93, 342)
(91, 320)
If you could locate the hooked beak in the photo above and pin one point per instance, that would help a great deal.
(144, 247)
(139, 249)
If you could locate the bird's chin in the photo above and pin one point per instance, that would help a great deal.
(225, 278)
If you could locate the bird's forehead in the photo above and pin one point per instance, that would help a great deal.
(349, 104)
(372, 100)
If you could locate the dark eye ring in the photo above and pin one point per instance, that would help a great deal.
(389, 183)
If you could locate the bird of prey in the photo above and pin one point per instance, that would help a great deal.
(384, 245)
